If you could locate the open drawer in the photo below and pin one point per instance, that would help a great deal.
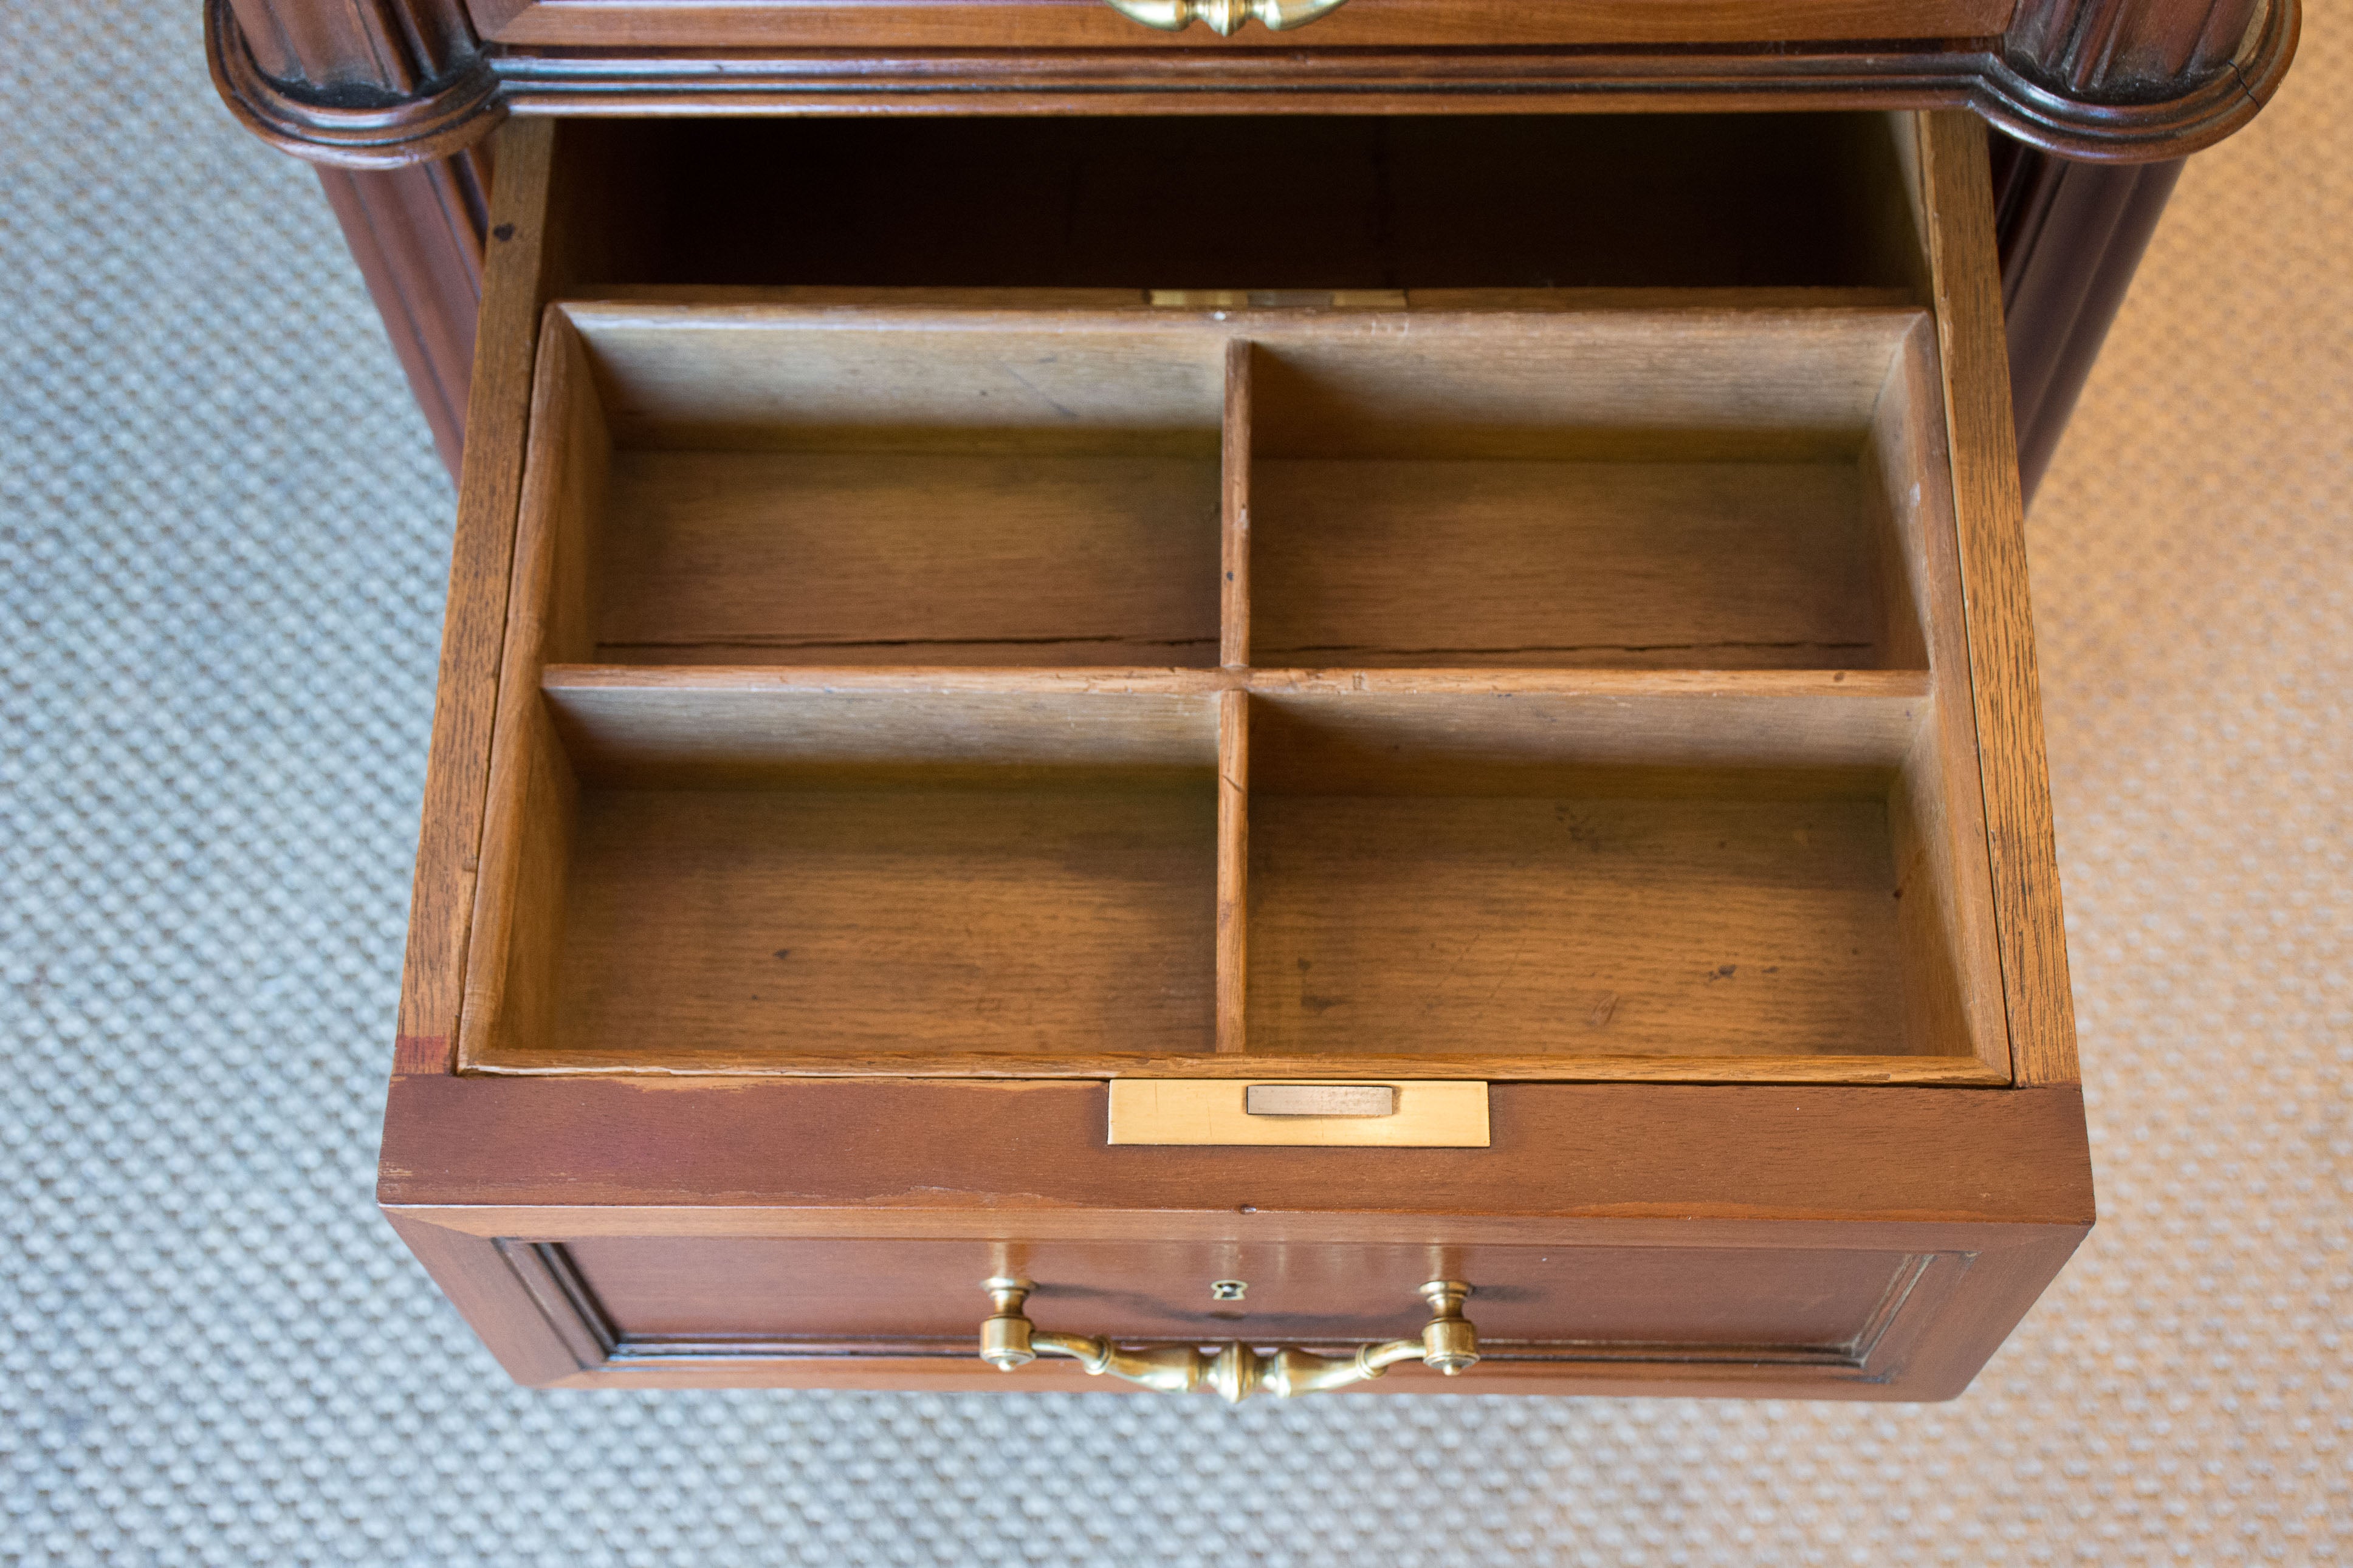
(929, 643)
(1512, 690)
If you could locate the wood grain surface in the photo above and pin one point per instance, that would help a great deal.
(1991, 534)
(474, 624)
(1699, 565)
(1233, 870)
(910, 557)
(750, 733)
(1588, 925)
(1234, 510)
(1686, 1165)
(1036, 920)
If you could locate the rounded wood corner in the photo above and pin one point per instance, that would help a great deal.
(2092, 127)
(354, 127)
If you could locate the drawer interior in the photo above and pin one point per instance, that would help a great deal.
(1295, 201)
(1022, 672)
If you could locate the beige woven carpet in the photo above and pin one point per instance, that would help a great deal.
(222, 540)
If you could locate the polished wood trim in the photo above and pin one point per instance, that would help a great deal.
(1848, 688)
(547, 1273)
(2115, 50)
(1977, 75)
(409, 80)
(1991, 512)
(417, 233)
(492, 1062)
(832, 1153)
(394, 45)
(375, 95)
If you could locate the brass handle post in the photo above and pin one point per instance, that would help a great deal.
(1225, 18)
(1233, 1371)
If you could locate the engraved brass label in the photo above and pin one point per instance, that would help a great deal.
(1278, 298)
(1321, 1100)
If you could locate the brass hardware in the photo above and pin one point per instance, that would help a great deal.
(1233, 1371)
(1421, 1113)
(1320, 1099)
(1225, 18)
(1229, 1290)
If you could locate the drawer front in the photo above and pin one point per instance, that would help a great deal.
(1094, 24)
(655, 1303)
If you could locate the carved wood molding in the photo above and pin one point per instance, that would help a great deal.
(345, 119)
(1343, 81)
(2139, 80)
(395, 82)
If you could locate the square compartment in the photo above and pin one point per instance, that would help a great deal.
(1589, 489)
(760, 879)
(895, 918)
(800, 492)
(1565, 877)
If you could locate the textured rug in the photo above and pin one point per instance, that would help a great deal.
(223, 536)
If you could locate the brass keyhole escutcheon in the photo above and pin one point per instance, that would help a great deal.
(1229, 1290)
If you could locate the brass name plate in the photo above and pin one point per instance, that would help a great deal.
(1321, 1100)
(1365, 1113)
(1278, 298)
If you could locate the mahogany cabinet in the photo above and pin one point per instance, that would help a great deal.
(1249, 717)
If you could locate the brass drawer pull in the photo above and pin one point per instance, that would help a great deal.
(1234, 1371)
(1225, 16)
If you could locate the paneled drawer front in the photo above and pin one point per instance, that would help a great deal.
(1093, 25)
(655, 1296)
